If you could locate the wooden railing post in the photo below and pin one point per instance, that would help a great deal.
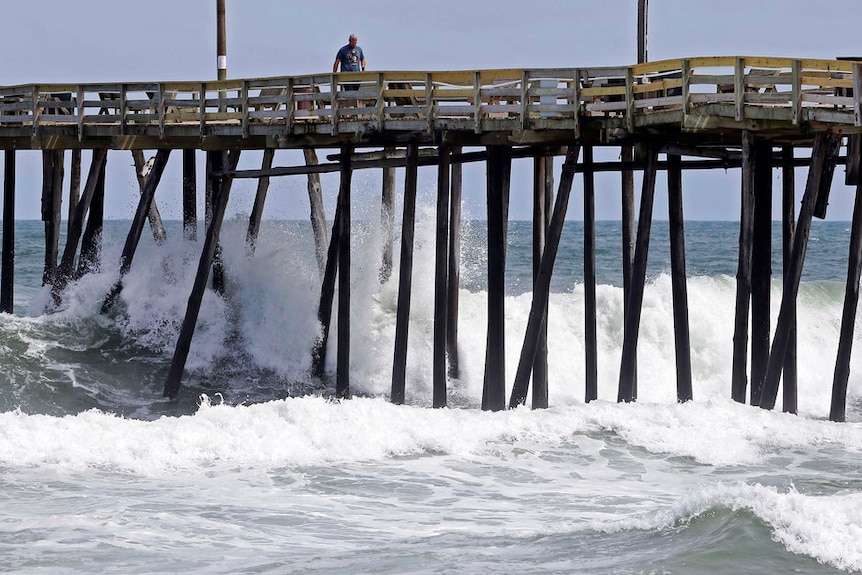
(686, 87)
(739, 88)
(796, 80)
(857, 94)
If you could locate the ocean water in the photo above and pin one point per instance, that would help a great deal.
(255, 469)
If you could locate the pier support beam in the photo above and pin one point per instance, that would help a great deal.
(627, 202)
(441, 269)
(221, 193)
(142, 170)
(52, 195)
(387, 220)
(91, 240)
(317, 213)
(543, 196)
(190, 195)
(259, 201)
(405, 278)
(342, 377)
(682, 341)
(327, 295)
(788, 228)
(453, 276)
(7, 274)
(542, 285)
(591, 351)
(635, 300)
(74, 187)
(761, 266)
(498, 176)
(823, 142)
(739, 374)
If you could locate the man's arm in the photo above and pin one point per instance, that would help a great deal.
(363, 62)
(335, 66)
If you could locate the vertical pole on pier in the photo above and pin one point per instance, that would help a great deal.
(739, 373)
(318, 214)
(134, 235)
(543, 182)
(591, 351)
(441, 269)
(74, 185)
(682, 341)
(405, 277)
(259, 201)
(628, 237)
(761, 266)
(642, 30)
(848, 318)
(52, 194)
(499, 166)
(7, 276)
(788, 228)
(639, 265)
(823, 143)
(221, 189)
(342, 377)
(387, 220)
(190, 193)
(92, 237)
(221, 40)
(453, 275)
(542, 285)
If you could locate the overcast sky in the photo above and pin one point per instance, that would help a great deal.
(110, 40)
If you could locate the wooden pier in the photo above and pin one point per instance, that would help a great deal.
(699, 113)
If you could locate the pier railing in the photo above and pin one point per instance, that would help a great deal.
(689, 91)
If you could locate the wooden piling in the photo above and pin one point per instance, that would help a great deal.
(342, 378)
(387, 220)
(91, 240)
(682, 341)
(190, 193)
(761, 266)
(639, 265)
(499, 167)
(441, 268)
(837, 410)
(134, 236)
(7, 274)
(591, 351)
(543, 181)
(327, 295)
(52, 194)
(153, 215)
(221, 193)
(318, 214)
(542, 285)
(627, 199)
(453, 274)
(788, 228)
(405, 278)
(822, 143)
(259, 200)
(66, 268)
(74, 186)
(739, 373)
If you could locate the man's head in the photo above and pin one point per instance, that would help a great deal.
(352, 40)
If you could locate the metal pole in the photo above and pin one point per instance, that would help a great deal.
(221, 41)
(642, 31)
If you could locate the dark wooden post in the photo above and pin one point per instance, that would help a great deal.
(822, 144)
(542, 285)
(387, 220)
(318, 214)
(543, 182)
(441, 307)
(848, 318)
(74, 185)
(499, 166)
(761, 266)
(221, 193)
(642, 30)
(91, 240)
(342, 377)
(639, 265)
(788, 228)
(134, 236)
(153, 215)
(453, 275)
(76, 225)
(259, 200)
(627, 199)
(678, 280)
(7, 279)
(405, 277)
(739, 373)
(591, 351)
(190, 193)
(52, 195)
(327, 294)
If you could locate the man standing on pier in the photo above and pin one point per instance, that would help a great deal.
(351, 59)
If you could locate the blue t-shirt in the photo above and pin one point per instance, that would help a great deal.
(350, 58)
